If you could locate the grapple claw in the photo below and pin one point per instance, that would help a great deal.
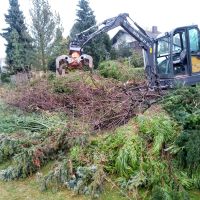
(74, 61)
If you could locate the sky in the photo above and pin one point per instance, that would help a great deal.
(166, 15)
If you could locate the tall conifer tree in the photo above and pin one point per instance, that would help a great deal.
(18, 47)
(100, 45)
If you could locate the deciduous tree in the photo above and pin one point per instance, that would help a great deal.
(44, 25)
(59, 47)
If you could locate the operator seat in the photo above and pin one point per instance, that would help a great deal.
(182, 58)
(180, 63)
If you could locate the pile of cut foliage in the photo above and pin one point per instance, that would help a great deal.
(149, 157)
(184, 106)
(30, 141)
(103, 103)
(134, 154)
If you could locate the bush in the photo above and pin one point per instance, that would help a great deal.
(184, 105)
(61, 86)
(189, 154)
(135, 60)
(5, 77)
(120, 71)
(51, 76)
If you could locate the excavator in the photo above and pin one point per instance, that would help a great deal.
(173, 58)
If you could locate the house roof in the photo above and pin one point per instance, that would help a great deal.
(153, 34)
(117, 36)
(121, 32)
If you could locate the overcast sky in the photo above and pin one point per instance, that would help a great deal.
(147, 13)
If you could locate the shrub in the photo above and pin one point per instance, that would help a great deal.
(51, 76)
(184, 105)
(60, 86)
(5, 77)
(135, 60)
(189, 154)
(120, 71)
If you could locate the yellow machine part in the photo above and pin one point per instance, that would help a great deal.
(195, 64)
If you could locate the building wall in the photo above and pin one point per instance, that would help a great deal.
(2, 64)
(124, 38)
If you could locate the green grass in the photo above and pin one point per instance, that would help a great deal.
(28, 189)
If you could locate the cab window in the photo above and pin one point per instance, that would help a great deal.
(179, 53)
(163, 51)
(179, 42)
(194, 49)
(194, 40)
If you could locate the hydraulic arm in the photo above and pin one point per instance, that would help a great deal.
(76, 59)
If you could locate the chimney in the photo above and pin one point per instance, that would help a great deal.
(154, 29)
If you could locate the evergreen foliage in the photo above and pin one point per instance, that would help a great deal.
(5, 77)
(131, 156)
(123, 50)
(164, 193)
(86, 180)
(12, 120)
(189, 151)
(152, 128)
(119, 71)
(100, 46)
(29, 160)
(19, 42)
(8, 147)
(151, 156)
(184, 105)
(136, 59)
(59, 47)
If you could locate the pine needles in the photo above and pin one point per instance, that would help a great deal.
(84, 180)
(184, 105)
(159, 130)
(13, 119)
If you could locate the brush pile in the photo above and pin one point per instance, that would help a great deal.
(102, 103)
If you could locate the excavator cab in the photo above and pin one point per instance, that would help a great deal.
(177, 56)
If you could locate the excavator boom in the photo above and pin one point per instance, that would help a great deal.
(171, 59)
(76, 59)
